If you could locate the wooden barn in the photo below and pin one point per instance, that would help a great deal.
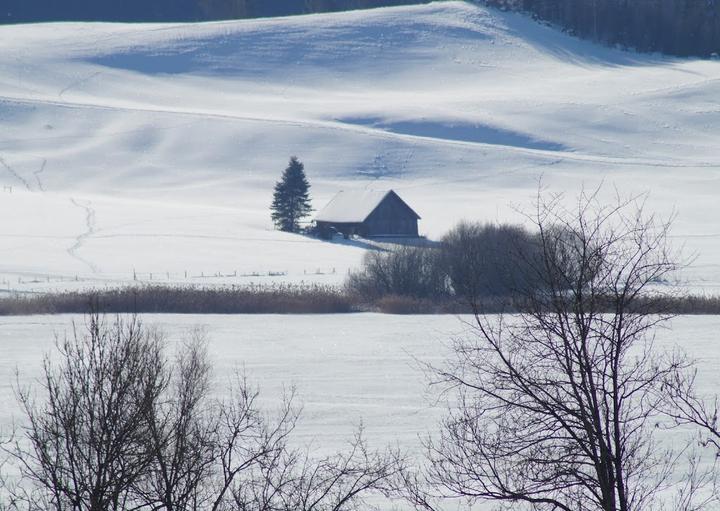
(368, 213)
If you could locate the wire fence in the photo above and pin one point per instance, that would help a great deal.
(31, 283)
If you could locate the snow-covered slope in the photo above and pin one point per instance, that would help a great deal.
(154, 148)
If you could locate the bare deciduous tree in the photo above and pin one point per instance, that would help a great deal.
(88, 443)
(700, 413)
(8, 492)
(119, 426)
(246, 441)
(180, 435)
(339, 482)
(692, 409)
(557, 406)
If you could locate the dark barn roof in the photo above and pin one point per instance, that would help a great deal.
(355, 206)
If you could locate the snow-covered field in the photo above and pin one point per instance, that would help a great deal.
(131, 150)
(348, 368)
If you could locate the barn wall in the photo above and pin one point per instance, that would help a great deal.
(391, 217)
(326, 229)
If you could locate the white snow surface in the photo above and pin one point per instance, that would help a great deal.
(351, 205)
(349, 370)
(149, 151)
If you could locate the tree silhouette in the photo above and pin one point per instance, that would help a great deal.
(291, 200)
(557, 408)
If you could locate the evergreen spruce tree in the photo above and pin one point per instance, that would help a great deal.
(291, 200)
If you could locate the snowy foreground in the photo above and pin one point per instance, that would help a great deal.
(348, 369)
(149, 151)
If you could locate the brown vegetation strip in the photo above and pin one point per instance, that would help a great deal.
(287, 299)
(183, 300)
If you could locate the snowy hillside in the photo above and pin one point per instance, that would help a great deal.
(154, 148)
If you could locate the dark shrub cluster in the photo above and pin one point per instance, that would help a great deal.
(483, 260)
(473, 261)
(406, 271)
(488, 268)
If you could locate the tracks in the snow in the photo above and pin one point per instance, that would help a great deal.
(15, 174)
(37, 173)
(82, 237)
(19, 177)
(86, 206)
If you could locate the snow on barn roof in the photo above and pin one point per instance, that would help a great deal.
(352, 206)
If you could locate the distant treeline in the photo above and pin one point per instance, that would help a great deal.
(675, 27)
(26, 11)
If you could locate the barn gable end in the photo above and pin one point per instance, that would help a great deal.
(392, 217)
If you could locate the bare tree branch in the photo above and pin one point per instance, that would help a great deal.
(556, 407)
